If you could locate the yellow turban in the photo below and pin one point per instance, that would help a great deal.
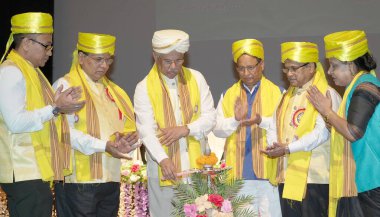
(168, 40)
(346, 45)
(32, 22)
(93, 43)
(302, 52)
(96, 43)
(251, 47)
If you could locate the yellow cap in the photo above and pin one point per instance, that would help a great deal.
(251, 47)
(303, 52)
(96, 43)
(346, 45)
(32, 22)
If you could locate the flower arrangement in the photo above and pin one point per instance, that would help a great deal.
(197, 199)
(133, 171)
(133, 190)
(207, 160)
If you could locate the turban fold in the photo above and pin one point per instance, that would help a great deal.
(96, 43)
(32, 22)
(303, 52)
(346, 45)
(251, 47)
(168, 40)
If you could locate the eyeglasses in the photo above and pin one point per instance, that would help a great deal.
(292, 68)
(248, 68)
(100, 60)
(48, 47)
(168, 62)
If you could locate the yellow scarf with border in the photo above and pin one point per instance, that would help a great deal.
(295, 180)
(52, 146)
(264, 104)
(342, 166)
(189, 97)
(90, 167)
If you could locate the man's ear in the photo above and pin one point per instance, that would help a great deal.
(155, 56)
(262, 65)
(25, 44)
(81, 57)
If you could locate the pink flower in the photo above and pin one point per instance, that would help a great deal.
(125, 172)
(226, 206)
(190, 210)
(216, 199)
(223, 165)
(135, 168)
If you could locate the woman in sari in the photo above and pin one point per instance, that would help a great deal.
(355, 141)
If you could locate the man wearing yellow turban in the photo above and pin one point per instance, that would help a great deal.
(252, 94)
(174, 110)
(355, 151)
(299, 135)
(101, 133)
(35, 145)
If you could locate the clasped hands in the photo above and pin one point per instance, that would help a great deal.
(121, 144)
(240, 112)
(68, 101)
(276, 150)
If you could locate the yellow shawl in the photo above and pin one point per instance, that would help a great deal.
(52, 143)
(298, 163)
(342, 166)
(264, 104)
(189, 97)
(90, 167)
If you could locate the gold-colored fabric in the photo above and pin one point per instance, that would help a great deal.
(52, 143)
(295, 179)
(342, 166)
(251, 47)
(96, 43)
(267, 97)
(189, 97)
(303, 52)
(31, 22)
(90, 167)
(346, 45)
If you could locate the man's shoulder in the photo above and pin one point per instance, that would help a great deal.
(9, 68)
(61, 81)
(9, 65)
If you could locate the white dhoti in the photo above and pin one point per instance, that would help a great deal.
(266, 202)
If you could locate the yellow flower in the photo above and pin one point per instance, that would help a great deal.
(207, 160)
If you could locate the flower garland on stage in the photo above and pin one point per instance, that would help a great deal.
(133, 190)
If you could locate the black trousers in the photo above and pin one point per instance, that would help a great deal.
(32, 198)
(87, 200)
(366, 204)
(315, 203)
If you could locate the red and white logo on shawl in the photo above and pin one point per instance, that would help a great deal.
(296, 119)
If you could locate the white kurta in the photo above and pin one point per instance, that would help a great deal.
(17, 157)
(316, 141)
(160, 197)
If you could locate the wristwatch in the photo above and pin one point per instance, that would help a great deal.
(55, 111)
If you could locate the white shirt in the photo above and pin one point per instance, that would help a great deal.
(147, 126)
(309, 141)
(13, 102)
(80, 141)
